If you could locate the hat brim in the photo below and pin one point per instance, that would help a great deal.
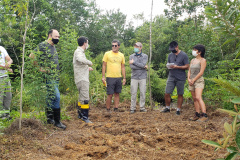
(172, 48)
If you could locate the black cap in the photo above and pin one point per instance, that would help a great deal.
(173, 45)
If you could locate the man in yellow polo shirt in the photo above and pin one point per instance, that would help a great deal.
(114, 62)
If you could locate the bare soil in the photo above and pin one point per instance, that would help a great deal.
(117, 135)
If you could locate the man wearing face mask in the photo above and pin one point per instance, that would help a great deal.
(177, 64)
(138, 63)
(46, 60)
(81, 76)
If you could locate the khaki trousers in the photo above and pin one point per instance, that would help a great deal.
(134, 87)
(83, 90)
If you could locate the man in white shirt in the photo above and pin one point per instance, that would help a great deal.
(5, 85)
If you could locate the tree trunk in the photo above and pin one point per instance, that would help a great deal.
(23, 60)
(149, 69)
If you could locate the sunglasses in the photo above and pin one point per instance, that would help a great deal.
(114, 45)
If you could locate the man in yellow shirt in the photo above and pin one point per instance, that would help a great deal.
(114, 62)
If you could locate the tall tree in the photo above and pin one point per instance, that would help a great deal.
(225, 17)
(177, 8)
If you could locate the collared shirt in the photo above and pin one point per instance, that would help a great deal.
(80, 66)
(47, 57)
(139, 62)
(180, 60)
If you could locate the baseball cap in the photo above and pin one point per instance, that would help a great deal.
(139, 44)
(173, 45)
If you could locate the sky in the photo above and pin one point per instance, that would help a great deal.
(133, 7)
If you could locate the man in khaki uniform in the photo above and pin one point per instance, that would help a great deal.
(81, 76)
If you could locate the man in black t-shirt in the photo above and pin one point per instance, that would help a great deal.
(177, 64)
(46, 58)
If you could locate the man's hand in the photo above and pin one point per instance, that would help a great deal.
(7, 65)
(146, 66)
(131, 61)
(10, 70)
(124, 81)
(174, 66)
(90, 69)
(103, 79)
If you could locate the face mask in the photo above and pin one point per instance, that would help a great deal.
(174, 51)
(194, 53)
(55, 41)
(87, 46)
(136, 50)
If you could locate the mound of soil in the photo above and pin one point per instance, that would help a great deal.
(31, 128)
(117, 135)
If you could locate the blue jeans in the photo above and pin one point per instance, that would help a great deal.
(53, 95)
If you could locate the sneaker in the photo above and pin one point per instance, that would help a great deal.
(178, 113)
(132, 111)
(165, 110)
(203, 119)
(108, 110)
(143, 110)
(115, 109)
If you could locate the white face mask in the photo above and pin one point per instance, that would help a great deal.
(194, 53)
(87, 46)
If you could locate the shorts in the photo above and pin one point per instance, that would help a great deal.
(172, 83)
(197, 84)
(114, 85)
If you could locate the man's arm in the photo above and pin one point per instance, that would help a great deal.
(123, 73)
(104, 71)
(134, 65)
(143, 63)
(41, 69)
(186, 66)
(9, 62)
(32, 55)
(82, 59)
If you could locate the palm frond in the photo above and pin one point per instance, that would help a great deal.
(231, 86)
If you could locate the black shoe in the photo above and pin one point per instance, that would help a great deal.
(165, 110)
(79, 113)
(178, 113)
(49, 114)
(132, 111)
(57, 117)
(60, 125)
(143, 110)
(115, 109)
(50, 121)
(85, 115)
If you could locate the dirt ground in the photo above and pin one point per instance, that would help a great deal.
(118, 135)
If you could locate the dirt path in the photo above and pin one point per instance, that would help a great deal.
(140, 136)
